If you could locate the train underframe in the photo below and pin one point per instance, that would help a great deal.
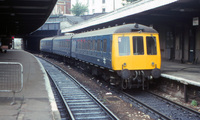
(134, 79)
(124, 79)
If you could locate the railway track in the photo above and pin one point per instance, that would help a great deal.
(60, 103)
(79, 102)
(160, 108)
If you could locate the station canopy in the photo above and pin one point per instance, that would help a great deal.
(19, 17)
(145, 11)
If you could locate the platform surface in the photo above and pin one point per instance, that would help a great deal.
(35, 101)
(186, 73)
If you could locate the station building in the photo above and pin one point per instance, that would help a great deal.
(94, 6)
(177, 22)
(100, 6)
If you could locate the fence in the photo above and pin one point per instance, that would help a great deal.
(11, 78)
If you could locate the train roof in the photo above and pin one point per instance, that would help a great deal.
(128, 28)
(57, 38)
(47, 38)
(63, 37)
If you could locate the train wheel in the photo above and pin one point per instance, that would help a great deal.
(147, 82)
(124, 84)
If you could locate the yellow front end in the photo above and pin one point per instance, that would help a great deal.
(136, 51)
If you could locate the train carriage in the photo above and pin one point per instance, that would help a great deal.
(136, 48)
(62, 45)
(46, 45)
(136, 54)
(93, 47)
(132, 51)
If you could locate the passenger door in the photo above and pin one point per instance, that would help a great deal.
(191, 46)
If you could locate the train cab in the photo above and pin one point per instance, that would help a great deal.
(136, 52)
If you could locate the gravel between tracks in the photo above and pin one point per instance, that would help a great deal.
(113, 101)
(122, 109)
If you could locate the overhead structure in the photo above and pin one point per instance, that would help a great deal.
(19, 17)
(144, 10)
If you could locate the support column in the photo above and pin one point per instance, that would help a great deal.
(185, 93)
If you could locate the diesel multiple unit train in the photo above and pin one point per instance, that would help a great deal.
(126, 55)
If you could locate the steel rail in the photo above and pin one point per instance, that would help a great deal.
(106, 110)
(166, 109)
(167, 100)
(130, 97)
(63, 99)
(94, 98)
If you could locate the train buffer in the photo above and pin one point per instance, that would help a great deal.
(11, 78)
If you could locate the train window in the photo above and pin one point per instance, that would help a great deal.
(101, 47)
(93, 44)
(67, 44)
(151, 45)
(98, 45)
(90, 45)
(84, 44)
(110, 46)
(81, 42)
(104, 45)
(138, 46)
(124, 46)
(78, 44)
(87, 44)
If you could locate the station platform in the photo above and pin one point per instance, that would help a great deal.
(35, 101)
(187, 73)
